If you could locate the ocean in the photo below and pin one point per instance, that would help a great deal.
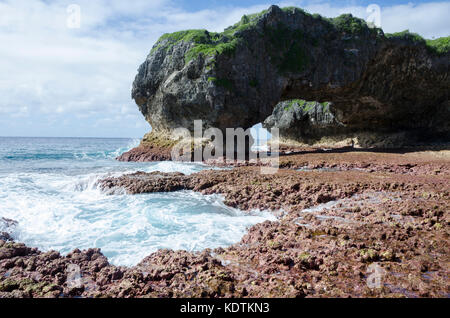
(49, 186)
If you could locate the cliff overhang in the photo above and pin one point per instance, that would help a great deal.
(372, 82)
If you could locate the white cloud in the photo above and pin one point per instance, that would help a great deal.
(428, 19)
(79, 76)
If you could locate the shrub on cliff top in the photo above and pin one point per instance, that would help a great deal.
(286, 45)
(349, 24)
(247, 22)
(439, 45)
(207, 43)
(210, 43)
(198, 36)
(211, 49)
(406, 35)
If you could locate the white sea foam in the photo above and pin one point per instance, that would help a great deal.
(126, 228)
(58, 206)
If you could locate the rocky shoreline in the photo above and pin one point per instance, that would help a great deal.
(346, 221)
(350, 222)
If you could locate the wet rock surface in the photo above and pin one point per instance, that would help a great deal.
(413, 161)
(145, 154)
(353, 233)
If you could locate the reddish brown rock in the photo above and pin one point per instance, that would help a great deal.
(145, 154)
(336, 230)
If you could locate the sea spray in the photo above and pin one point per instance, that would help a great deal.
(50, 186)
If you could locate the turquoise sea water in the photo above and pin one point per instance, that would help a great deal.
(49, 185)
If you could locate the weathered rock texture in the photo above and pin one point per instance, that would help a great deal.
(388, 211)
(307, 122)
(302, 124)
(374, 82)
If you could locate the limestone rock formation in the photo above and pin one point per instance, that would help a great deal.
(374, 82)
(303, 124)
(302, 120)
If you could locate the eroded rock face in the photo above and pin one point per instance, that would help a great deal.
(236, 78)
(302, 124)
(299, 120)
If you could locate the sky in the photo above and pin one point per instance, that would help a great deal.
(61, 76)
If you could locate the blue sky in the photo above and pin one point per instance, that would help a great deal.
(61, 81)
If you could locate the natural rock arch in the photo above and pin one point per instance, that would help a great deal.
(236, 78)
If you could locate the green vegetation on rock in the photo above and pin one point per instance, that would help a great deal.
(305, 105)
(349, 24)
(219, 43)
(406, 35)
(197, 36)
(326, 107)
(206, 43)
(28, 286)
(210, 43)
(280, 54)
(286, 44)
(439, 45)
(212, 49)
(246, 22)
(176, 37)
(294, 10)
(287, 47)
(300, 103)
